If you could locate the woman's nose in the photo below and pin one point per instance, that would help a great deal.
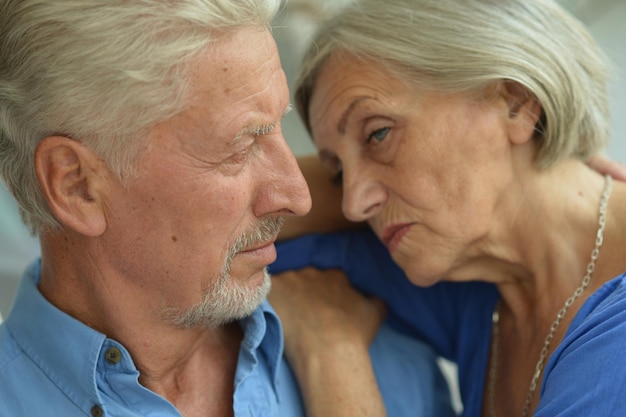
(363, 197)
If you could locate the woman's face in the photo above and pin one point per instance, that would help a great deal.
(426, 170)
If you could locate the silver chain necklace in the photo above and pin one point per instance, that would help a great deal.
(493, 364)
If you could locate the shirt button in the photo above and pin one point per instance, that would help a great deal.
(96, 411)
(113, 355)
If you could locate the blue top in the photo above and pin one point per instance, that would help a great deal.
(585, 376)
(54, 365)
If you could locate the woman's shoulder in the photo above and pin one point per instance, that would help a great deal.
(603, 315)
(586, 374)
(610, 296)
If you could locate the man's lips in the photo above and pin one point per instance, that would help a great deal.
(264, 253)
(259, 246)
(392, 235)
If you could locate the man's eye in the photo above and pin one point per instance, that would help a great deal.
(239, 157)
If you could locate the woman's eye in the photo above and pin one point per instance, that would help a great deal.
(337, 180)
(378, 135)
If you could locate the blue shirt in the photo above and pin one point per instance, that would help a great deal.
(54, 365)
(584, 376)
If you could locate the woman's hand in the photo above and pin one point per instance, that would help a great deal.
(328, 328)
(607, 166)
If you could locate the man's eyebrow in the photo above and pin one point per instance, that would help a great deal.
(260, 130)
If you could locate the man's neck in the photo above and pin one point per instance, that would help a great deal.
(194, 368)
(201, 379)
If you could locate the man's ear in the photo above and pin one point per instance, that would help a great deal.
(524, 111)
(72, 181)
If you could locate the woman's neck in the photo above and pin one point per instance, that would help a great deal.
(544, 232)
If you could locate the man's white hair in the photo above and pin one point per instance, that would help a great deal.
(100, 72)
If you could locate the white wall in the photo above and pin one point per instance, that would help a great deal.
(608, 25)
(17, 248)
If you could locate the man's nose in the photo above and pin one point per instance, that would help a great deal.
(286, 191)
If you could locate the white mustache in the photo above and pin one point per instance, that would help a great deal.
(266, 231)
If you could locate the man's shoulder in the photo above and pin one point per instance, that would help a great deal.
(26, 389)
(11, 373)
(9, 350)
(408, 374)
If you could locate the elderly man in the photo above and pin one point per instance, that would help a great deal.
(142, 143)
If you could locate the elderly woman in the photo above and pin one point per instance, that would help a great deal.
(458, 130)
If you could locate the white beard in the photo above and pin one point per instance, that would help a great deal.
(227, 300)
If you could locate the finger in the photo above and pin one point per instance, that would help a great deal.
(608, 167)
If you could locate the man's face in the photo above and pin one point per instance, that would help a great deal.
(195, 229)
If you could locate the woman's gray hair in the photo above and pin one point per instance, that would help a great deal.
(101, 72)
(468, 45)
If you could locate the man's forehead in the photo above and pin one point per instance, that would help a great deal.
(237, 88)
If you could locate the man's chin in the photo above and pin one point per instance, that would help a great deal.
(253, 294)
(225, 303)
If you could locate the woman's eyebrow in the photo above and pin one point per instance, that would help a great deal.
(341, 126)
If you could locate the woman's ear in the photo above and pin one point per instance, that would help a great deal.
(73, 183)
(524, 111)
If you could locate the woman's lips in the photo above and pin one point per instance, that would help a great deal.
(392, 235)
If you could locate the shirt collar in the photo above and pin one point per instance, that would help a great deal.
(65, 349)
(263, 333)
(38, 327)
